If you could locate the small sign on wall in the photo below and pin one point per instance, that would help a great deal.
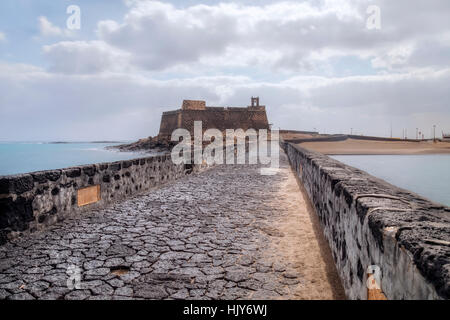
(88, 195)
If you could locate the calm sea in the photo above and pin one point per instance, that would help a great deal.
(427, 175)
(27, 157)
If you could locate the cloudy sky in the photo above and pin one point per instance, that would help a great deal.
(314, 64)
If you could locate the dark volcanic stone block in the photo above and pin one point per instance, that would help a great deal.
(15, 215)
(4, 186)
(90, 171)
(39, 177)
(44, 176)
(107, 178)
(23, 184)
(53, 175)
(3, 237)
(73, 172)
(115, 166)
(126, 164)
(55, 191)
(42, 218)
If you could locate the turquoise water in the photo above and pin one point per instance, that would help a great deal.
(427, 175)
(27, 157)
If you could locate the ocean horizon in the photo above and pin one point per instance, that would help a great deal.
(29, 156)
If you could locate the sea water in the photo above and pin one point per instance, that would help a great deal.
(427, 175)
(32, 156)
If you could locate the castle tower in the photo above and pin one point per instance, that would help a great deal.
(255, 101)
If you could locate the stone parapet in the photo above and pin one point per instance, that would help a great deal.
(369, 222)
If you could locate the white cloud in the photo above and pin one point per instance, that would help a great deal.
(2, 36)
(48, 29)
(287, 37)
(85, 57)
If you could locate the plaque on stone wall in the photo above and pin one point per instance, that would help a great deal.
(88, 195)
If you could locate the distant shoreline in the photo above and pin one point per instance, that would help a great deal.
(367, 147)
(360, 145)
(62, 142)
(70, 142)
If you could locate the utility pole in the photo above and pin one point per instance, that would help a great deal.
(434, 133)
(417, 133)
(351, 131)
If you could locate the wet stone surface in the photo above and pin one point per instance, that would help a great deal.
(206, 236)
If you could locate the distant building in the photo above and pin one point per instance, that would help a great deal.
(446, 136)
(221, 118)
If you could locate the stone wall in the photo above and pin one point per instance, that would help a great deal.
(29, 202)
(370, 222)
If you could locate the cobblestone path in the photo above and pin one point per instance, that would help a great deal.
(225, 233)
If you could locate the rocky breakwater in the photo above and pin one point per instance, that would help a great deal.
(154, 144)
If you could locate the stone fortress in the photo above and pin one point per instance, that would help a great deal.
(221, 118)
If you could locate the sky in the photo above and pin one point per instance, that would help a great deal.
(336, 66)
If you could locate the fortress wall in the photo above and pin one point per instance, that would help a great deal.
(246, 119)
(30, 202)
(217, 118)
(369, 222)
(169, 122)
(210, 119)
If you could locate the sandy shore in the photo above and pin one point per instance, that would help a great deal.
(353, 146)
